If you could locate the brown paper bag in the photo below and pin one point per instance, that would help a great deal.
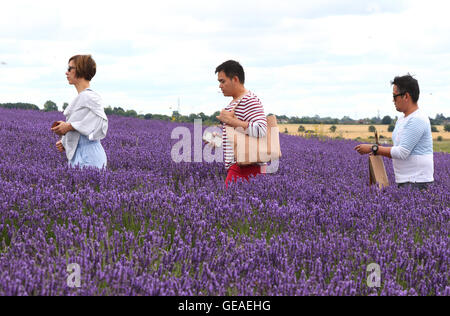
(377, 170)
(251, 150)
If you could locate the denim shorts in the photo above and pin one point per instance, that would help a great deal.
(89, 154)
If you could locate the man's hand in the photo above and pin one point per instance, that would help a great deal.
(364, 149)
(226, 116)
(60, 146)
(63, 128)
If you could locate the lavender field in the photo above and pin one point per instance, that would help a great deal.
(149, 226)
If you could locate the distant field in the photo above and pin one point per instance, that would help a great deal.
(362, 131)
(443, 146)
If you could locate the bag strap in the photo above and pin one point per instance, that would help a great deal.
(238, 102)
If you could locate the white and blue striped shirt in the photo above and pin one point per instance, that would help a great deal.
(412, 154)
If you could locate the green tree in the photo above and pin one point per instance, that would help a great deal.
(119, 111)
(347, 120)
(214, 117)
(109, 110)
(434, 129)
(23, 106)
(193, 117)
(447, 127)
(203, 116)
(50, 106)
(391, 128)
(333, 128)
(372, 129)
(65, 105)
(131, 113)
(301, 129)
(387, 120)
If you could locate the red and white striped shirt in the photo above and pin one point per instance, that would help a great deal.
(249, 110)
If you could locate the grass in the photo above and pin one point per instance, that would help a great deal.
(442, 146)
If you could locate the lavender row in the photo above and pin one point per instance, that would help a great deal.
(149, 226)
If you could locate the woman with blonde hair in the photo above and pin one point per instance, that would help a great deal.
(86, 122)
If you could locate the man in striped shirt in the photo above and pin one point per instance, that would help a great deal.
(412, 154)
(244, 111)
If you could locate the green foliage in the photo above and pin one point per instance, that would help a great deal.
(50, 106)
(440, 119)
(434, 129)
(23, 106)
(131, 113)
(386, 120)
(193, 117)
(442, 146)
(440, 139)
(307, 120)
(119, 111)
(161, 117)
(372, 129)
(212, 120)
(108, 110)
(214, 116)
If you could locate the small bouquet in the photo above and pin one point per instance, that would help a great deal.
(213, 139)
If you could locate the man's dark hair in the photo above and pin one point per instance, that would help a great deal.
(231, 69)
(407, 84)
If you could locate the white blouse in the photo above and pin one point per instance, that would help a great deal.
(87, 116)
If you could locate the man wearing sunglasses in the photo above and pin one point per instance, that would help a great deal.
(412, 154)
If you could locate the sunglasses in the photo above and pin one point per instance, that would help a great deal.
(398, 95)
(70, 68)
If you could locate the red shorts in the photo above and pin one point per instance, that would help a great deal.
(243, 172)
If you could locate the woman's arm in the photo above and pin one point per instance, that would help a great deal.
(63, 128)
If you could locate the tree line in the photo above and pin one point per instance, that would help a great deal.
(23, 106)
(49, 106)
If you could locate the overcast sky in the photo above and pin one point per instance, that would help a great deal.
(302, 58)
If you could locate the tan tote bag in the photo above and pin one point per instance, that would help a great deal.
(252, 150)
(377, 170)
